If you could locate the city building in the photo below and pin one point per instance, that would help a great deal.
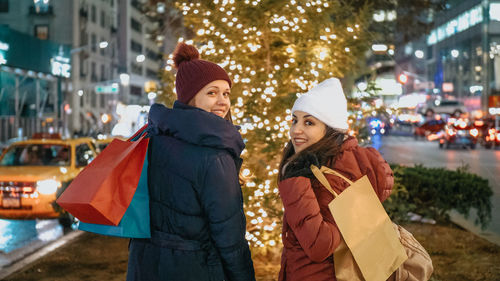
(380, 60)
(460, 58)
(138, 52)
(34, 78)
(113, 61)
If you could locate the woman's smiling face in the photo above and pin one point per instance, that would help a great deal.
(305, 130)
(214, 98)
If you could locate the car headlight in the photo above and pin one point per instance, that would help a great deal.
(47, 186)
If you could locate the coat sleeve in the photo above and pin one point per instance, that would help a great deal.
(222, 202)
(380, 174)
(318, 238)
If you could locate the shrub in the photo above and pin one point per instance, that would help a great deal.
(433, 192)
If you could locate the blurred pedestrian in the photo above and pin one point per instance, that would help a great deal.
(318, 135)
(196, 205)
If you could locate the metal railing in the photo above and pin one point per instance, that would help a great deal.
(24, 127)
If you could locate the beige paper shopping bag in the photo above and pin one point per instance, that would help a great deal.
(365, 227)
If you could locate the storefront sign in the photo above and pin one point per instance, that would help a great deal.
(60, 66)
(447, 87)
(464, 21)
(4, 46)
(19, 50)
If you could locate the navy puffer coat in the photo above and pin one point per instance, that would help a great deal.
(196, 205)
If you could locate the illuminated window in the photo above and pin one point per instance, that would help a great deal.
(42, 32)
(41, 7)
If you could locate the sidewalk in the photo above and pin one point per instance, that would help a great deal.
(457, 255)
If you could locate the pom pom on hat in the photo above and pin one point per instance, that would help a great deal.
(184, 52)
(194, 73)
(327, 102)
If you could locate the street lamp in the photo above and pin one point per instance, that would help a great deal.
(140, 58)
(419, 54)
(124, 79)
(102, 45)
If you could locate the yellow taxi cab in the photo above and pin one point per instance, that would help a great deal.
(103, 141)
(34, 172)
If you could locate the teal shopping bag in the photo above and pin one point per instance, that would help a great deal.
(135, 221)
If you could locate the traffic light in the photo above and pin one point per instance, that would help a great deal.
(403, 78)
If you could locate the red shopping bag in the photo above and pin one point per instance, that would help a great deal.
(102, 191)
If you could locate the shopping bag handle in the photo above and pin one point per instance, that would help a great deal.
(318, 173)
(138, 133)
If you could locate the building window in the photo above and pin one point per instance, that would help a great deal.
(102, 101)
(4, 6)
(151, 73)
(135, 91)
(83, 65)
(152, 55)
(136, 4)
(136, 68)
(93, 42)
(103, 72)
(42, 32)
(93, 99)
(93, 75)
(136, 47)
(93, 14)
(103, 19)
(135, 25)
(84, 38)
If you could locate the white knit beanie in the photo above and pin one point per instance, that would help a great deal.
(326, 101)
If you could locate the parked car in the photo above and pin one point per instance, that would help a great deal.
(432, 126)
(34, 172)
(458, 132)
(451, 107)
(489, 135)
(103, 141)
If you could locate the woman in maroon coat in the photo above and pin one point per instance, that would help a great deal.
(319, 136)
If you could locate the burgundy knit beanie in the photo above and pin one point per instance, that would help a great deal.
(193, 73)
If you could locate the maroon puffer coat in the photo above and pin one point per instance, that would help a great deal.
(310, 234)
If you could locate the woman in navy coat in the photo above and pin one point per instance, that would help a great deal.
(196, 205)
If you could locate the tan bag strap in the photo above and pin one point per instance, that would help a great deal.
(318, 173)
(327, 170)
(322, 179)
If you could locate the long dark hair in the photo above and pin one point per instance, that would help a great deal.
(326, 149)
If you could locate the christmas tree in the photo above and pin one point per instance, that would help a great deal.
(274, 51)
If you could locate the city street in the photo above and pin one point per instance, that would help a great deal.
(405, 150)
(19, 238)
(220, 82)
